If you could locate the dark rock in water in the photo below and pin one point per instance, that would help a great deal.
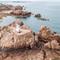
(38, 15)
(44, 19)
(25, 14)
(21, 14)
(21, 23)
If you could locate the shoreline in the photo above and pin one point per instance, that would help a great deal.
(19, 42)
(40, 48)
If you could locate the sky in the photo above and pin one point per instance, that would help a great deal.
(33, 0)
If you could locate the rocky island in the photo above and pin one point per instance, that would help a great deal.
(14, 10)
(39, 16)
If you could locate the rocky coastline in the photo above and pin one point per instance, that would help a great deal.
(23, 38)
(14, 10)
(19, 42)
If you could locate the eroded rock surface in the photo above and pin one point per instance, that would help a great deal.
(18, 11)
(49, 38)
(24, 37)
(16, 37)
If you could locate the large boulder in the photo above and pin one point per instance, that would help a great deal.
(21, 13)
(17, 40)
(45, 32)
(38, 15)
(48, 34)
(10, 38)
(49, 38)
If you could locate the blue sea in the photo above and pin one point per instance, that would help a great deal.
(50, 10)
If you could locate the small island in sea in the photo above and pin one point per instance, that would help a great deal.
(20, 41)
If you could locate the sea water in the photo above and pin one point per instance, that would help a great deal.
(50, 10)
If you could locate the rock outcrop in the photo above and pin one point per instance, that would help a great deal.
(10, 7)
(38, 15)
(48, 37)
(20, 13)
(10, 38)
(17, 40)
(24, 38)
(14, 10)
